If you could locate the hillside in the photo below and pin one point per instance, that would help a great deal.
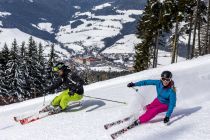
(99, 24)
(189, 120)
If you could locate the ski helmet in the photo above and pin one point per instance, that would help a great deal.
(166, 74)
(59, 66)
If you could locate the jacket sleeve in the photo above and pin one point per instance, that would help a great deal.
(77, 80)
(77, 84)
(172, 103)
(147, 82)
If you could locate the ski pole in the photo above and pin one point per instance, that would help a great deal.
(44, 100)
(105, 99)
(135, 89)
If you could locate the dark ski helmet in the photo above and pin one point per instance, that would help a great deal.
(59, 66)
(166, 74)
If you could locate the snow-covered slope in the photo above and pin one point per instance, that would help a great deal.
(79, 25)
(95, 29)
(8, 35)
(190, 120)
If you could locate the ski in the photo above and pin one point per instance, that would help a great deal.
(46, 111)
(122, 131)
(18, 118)
(33, 118)
(109, 125)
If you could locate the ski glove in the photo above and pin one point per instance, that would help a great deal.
(131, 84)
(166, 120)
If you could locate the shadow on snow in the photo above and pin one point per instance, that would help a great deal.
(86, 104)
(179, 114)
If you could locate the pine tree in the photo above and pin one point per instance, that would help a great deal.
(145, 33)
(42, 70)
(142, 55)
(4, 84)
(23, 73)
(195, 28)
(5, 56)
(202, 28)
(189, 18)
(53, 57)
(23, 70)
(14, 75)
(51, 61)
(206, 38)
(154, 22)
(177, 13)
(23, 50)
(32, 69)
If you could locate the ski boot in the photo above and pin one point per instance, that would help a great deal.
(47, 109)
(135, 123)
(55, 110)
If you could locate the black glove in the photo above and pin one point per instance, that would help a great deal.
(131, 84)
(166, 120)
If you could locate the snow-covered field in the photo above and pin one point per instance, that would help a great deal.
(124, 45)
(190, 120)
(9, 34)
(3, 14)
(88, 35)
(92, 32)
(44, 26)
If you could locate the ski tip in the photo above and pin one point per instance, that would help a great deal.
(22, 123)
(105, 127)
(25, 121)
(113, 137)
(15, 119)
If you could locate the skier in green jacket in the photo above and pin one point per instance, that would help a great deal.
(72, 85)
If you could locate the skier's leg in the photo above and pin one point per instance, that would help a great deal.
(153, 104)
(66, 99)
(153, 111)
(57, 99)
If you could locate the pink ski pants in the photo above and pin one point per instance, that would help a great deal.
(152, 110)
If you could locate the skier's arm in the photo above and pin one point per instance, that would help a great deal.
(77, 80)
(147, 82)
(77, 84)
(172, 103)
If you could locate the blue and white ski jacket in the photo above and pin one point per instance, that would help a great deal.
(165, 95)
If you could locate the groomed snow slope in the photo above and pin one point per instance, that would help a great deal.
(190, 120)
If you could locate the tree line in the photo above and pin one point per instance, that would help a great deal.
(164, 22)
(24, 71)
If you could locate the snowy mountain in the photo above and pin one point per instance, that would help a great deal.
(77, 26)
(189, 119)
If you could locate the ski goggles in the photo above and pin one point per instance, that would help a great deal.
(55, 69)
(58, 67)
(166, 79)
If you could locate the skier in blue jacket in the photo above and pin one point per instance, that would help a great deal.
(165, 101)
